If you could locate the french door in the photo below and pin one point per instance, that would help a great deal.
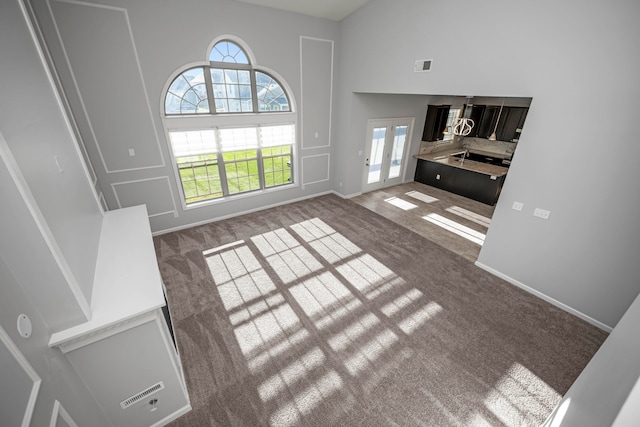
(386, 152)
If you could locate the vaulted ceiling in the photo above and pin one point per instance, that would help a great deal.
(335, 10)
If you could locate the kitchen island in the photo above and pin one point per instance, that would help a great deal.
(469, 178)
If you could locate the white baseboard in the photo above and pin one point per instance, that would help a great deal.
(248, 211)
(547, 298)
(174, 416)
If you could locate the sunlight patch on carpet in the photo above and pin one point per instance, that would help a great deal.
(295, 372)
(350, 334)
(519, 395)
(239, 276)
(325, 300)
(294, 412)
(367, 274)
(366, 355)
(286, 255)
(401, 302)
(419, 317)
(323, 276)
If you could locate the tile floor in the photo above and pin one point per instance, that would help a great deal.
(454, 222)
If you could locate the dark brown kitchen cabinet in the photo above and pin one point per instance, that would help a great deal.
(488, 114)
(476, 115)
(511, 123)
(474, 185)
(435, 123)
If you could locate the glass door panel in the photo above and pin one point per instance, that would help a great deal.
(386, 148)
(397, 153)
(374, 162)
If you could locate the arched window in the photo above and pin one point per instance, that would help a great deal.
(221, 153)
(229, 84)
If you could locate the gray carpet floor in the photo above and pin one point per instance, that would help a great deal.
(322, 312)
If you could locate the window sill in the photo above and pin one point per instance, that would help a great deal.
(248, 194)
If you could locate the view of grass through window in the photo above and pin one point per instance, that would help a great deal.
(202, 179)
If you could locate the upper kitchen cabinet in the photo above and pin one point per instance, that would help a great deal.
(510, 122)
(436, 122)
(484, 117)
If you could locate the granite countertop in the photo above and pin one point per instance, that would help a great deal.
(446, 157)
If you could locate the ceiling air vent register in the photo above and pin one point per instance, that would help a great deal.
(144, 393)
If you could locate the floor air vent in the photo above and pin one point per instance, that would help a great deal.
(144, 393)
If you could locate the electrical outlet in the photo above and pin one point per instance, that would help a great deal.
(517, 206)
(541, 213)
(132, 152)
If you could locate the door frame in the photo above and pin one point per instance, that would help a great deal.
(390, 124)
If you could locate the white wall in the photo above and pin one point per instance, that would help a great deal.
(375, 106)
(595, 398)
(577, 153)
(40, 140)
(59, 379)
(50, 223)
(138, 46)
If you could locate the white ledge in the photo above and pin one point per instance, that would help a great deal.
(127, 281)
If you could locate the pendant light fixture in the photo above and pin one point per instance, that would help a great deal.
(463, 125)
(493, 136)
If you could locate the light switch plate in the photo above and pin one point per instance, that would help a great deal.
(541, 213)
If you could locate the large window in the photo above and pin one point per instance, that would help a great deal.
(222, 130)
(214, 163)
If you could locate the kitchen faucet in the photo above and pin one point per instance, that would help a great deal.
(464, 155)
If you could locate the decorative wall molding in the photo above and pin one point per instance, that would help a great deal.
(152, 213)
(314, 101)
(81, 97)
(307, 179)
(30, 375)
(60, 413)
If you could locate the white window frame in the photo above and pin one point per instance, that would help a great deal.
(186, 122)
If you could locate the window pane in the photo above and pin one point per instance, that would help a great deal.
(193, 143)
(242, 175)
(271, 136)
(222, 106)
(245, 91)
(233, 91)
(217, 75)
(231, 76)
(270, 95)
(234, 106)
(231, 94)
(244, 77)
(226, 51)
(187, 94)
(200, 180)
(219, 91)
(247, 106)
(277, 170)
(235, 139)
